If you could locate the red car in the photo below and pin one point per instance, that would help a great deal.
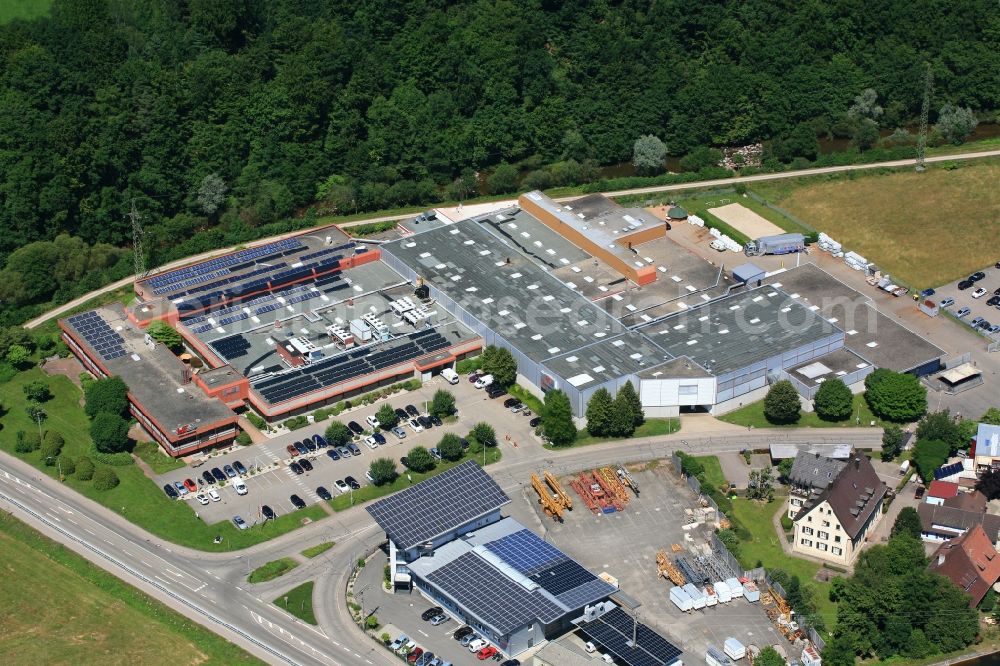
(413, 656)
(292, 450)
(191, 485)
(486, 653)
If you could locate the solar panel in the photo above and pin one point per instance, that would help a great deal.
(99, 335)
(496, 600)
(434, 506)
(524, 551)
(613, 631)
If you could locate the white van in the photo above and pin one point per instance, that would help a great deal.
(484, 381)
(241, 488)
(450, 376)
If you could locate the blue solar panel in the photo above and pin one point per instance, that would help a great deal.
(524, 551)
(191, 275)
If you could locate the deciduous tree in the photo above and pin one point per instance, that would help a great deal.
(419, 459)
(109, 432)
(338, 434)
(37, 391)
(956, 123)
(387, 418)
(557, 424)
(166, 335)
(383, 471)
(781, 404)
(928, 455)
(109, 395)
(833, 400)
(907, 522)
(892, 441)
(898, 397)
(450, 447)
(443, 403)
(649, 154)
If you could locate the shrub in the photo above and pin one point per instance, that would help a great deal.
(386, 416)
(256, 421)
(109, 431)
(450, 447)
(928, 455)
(66, 465)
(120, 459)
(420, 459)
(786, 522)
(243, 439)
(105, 479)
(37, 391)
(468, 365)
(383, 471)
(52, 445)
(296, 422)
(833, 401)
(443, 403)
(27, 441)
(84, 469)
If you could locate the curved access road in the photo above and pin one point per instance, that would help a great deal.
(62, 309)
(211, 588)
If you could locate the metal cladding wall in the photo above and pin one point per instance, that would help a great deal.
(738, 382)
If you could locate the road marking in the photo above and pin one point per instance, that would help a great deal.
(89, 532)
(64, 510)
(146, 563)
(426, 635)
(72, 521)
(53, 517)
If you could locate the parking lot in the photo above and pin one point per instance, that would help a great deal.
(272, 482)
(978, 307)
(623, 545)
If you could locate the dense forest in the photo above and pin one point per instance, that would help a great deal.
(221, 116)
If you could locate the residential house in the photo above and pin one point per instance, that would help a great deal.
(986, 449)
(834, 525)
(974, 501)
(940, 523)
(970, 561)
(939, 491)
(811, 474)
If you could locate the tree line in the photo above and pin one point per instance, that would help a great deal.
(222, 117)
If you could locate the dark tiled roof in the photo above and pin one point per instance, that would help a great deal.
(956, 519)
(811, 470)
(854, 495)
(970, 561)
(974, 501)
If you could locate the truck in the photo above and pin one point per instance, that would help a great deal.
(778, 244)
(450, 376)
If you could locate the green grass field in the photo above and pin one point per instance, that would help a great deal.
(155, 458)
(272, 570)
(299, 602)
(753, 415)
(925, 229)
(650, 428)
(136, 498)
(58, 608)
(23, 9)
(765, 547)
(318, 549)
(713, 471)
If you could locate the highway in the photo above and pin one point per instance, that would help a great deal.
(211, 588)
(66, 307)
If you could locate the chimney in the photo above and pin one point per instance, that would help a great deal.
(857, 463)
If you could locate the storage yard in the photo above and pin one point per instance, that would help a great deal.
(657, 551)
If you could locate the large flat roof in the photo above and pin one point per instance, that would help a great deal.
(504, 289)
(739, 330)
(625, 354)
(868, 333)
(154, 376)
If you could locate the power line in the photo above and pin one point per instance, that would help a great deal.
(138, 256)
(924, 110)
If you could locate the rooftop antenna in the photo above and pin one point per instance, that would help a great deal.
(138, 257)
(924, 110)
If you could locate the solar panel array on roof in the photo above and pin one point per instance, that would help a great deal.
(559, 575)
(439, 504)
(337, 369)
(231, 347)
(100, 336)
(613, 632)
(495, 599)
(173, 281)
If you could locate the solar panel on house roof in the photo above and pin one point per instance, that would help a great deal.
(495, 599)
(613, 631)
(437, 505)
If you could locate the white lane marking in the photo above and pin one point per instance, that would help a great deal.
(65, 510)
(89, 532)
(53, 517)
(72, 521)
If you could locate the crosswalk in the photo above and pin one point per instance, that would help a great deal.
(306, 490)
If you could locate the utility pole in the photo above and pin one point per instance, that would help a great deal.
(138, 257)
(924, 110)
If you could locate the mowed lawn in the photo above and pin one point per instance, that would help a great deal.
(57, 608)
(753, 415)
(926, 229)
(23, 9)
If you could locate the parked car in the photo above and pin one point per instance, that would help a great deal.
(208, 477)
(977, 276)
(297, 502)
(516, 408)
(297, 468)
(218, 474)
(466, 640)
(355, 427)
(995, 328)
(433, 611)
(484, 381)
(947, 302)
(181, 490)
(412, 411)
(213, 495)
(353, 448)
(401, 414)
(462, 632)
(511, 662)
(927, 292)
(370, 441)
(439, 619)
(292, 451)
(984, 324)
(202, 499)
(535, 422)
(368, 475)
(965, 284)
(919, 492)
(332, 454)
(510, 402)
(239, 486)
(379, 439)
(486, 653)
(478, 644)
(320, 441)
(415, 425)
(344, 452)
(425, 422)
(323, 493)
(306, 465)
(341, 486)
(435, 421)
(398, 643)
(240, 469)
(268, 512)
(474, 375)
(372, 421)
(171, 491)
(979, 293)
(425, 659)
(352, 482)
(191, 485)
(399, 432)
(413, 656)
(230, 472)
(240, 523)
(975, 322)
(465, 443)
(309, 444)
(964, 312)
(301, 448)
(992, 300)
(494, 391)
(436, 453)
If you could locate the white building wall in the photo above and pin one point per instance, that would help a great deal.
(671, 392)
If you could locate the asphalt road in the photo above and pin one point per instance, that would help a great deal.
(210, 588)
(618, 193)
